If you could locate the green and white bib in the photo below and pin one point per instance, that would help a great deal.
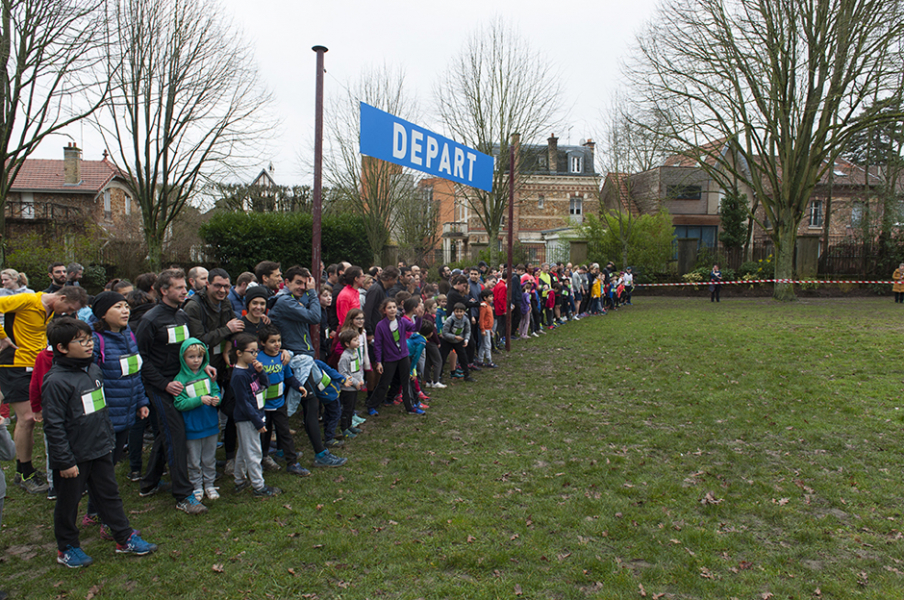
(94, 400)
(176, 334)
(130, 364)
(275, 391)
(324, 381)
(260, 397)
(198, 388)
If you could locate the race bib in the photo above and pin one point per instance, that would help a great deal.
(355, 365)
(458, 330)
(130, 364)
(94, 400)
(275, 391)
(176, 334)
(198, 388)
(260, 396)
(324, 382)
(395, 336)
(219, 348)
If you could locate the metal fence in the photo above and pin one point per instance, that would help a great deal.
(845, 256)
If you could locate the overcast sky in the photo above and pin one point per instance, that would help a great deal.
(584, 39)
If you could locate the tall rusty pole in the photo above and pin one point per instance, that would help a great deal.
(511, 242)
(318, 186)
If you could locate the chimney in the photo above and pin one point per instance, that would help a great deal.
(591, 145)
(72, 164)
(553, 150)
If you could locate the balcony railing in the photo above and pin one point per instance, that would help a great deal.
(41, 211)
(455, 230)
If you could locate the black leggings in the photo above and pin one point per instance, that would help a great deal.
(390, 368)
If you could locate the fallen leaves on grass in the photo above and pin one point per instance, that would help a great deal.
(217, 568)
(518, 591)
(709, 498)
(94, 591)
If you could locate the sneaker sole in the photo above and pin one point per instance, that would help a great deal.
(65, 564)
(133, 553)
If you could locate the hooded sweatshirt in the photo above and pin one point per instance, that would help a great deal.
(201, 420)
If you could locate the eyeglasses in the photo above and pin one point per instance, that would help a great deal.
(86, 341)
(220, 286)
(247, 351)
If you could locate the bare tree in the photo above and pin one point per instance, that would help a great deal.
(373, 188)
(48, 52)
(186, 105)
(781, 80)
(497, 86)
(417, 226)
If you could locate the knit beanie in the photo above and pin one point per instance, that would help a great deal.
(104, 301)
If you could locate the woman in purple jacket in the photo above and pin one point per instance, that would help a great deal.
(391, 349)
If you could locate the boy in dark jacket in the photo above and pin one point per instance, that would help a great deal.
(80, 443)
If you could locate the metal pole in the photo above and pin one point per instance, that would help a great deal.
(511, 238)
(318, 186)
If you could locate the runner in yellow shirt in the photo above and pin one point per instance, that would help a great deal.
(24, 334)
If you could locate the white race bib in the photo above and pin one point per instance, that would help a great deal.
(260, 397)
(131, 364)
(198, 388)
(94, 400)
(176, 334)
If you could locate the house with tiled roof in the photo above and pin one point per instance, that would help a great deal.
(558, 185)
(48, 195)
(846, 194)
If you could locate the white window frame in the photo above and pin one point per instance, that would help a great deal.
(577, 164)
(576, 206)
(815, 213)
(541, 200)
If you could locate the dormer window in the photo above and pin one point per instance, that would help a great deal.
(577, 164)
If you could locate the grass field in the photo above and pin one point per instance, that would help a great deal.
(675, 449)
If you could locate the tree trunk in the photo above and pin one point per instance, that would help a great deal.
(493, 244)
(784, 261)
(154, 243)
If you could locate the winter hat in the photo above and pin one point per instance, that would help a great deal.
(258, 291)
(104, 301)
(526, 279)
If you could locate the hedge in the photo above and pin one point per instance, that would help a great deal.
(238, 241)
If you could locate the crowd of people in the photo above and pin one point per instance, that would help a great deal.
(196, 363)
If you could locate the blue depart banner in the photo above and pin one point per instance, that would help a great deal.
(395, 140)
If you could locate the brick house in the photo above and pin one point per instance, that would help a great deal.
(53, 195)
(558, 185)
(850, 191)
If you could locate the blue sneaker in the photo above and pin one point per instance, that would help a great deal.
(73, 558)
(326, 459)
(349, 434)
(417, 411)
(135, 545)
(297, 469)
(372, 412)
